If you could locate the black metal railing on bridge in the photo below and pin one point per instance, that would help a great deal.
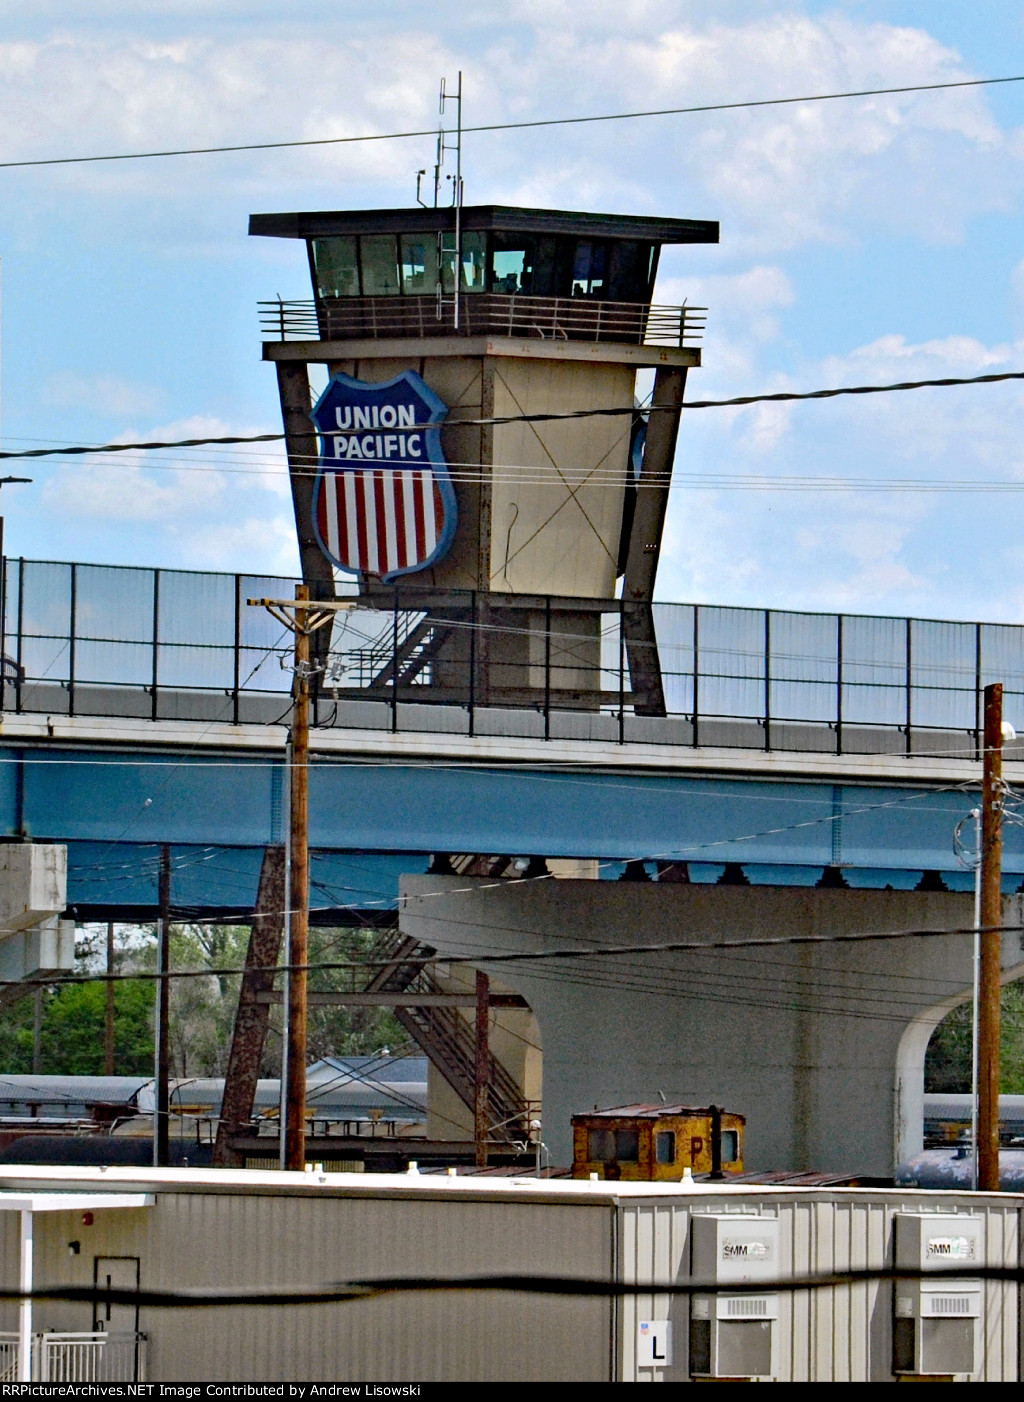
(120, 641)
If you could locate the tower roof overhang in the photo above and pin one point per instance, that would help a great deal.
(499, 218)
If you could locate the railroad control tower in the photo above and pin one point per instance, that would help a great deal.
(495, 538)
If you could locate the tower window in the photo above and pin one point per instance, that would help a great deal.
(588, 274)
(509, 271)
(337, 267)
(419, 264)
(379, 262)
(474, 261)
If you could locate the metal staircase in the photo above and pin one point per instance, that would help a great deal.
(445, 1036)
(390, 659)
(368, 662)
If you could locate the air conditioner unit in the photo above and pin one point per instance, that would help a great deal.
(937, 1323)
(734, 1335)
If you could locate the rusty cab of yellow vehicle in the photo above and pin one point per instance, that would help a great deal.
(656, 1143)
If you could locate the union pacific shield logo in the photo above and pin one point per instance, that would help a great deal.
(383, 500)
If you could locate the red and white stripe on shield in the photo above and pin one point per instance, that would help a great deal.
(379, 520)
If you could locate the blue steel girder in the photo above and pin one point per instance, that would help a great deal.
(125, 876)
(222, 800)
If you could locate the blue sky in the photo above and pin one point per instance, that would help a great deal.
(864, 240)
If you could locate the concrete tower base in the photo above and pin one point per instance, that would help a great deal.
(820, 1045)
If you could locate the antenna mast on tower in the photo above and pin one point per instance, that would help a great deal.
(449, 250)
(453, 248)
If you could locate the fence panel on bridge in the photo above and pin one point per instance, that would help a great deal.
(125, 641)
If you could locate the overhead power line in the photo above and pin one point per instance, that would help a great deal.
(340, 1292)
(509, 126)
(76, 449)
(615, 411)
(675, 946)
(483, 956)
(540, 474)
(785, 397)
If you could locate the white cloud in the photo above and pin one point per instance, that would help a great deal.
(703, 557)
(75, 94)
(777, 176)
(745, 304)
(874, 547)
(116, 492)
(194, 494)
(893, 355)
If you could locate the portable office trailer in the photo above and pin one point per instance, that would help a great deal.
(193, 1229)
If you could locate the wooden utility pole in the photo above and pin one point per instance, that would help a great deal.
(990, 985)
(481, 1097)
(37, 1031)
(303, 618)
(162, 1048)
(108, 1031)
(298, 897)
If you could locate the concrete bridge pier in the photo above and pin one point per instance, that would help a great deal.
(34, 940)
(820, 1045)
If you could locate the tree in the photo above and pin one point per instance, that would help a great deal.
(338, 1031)
(202, 1012)
(947, 1066)
(72, 1033)
(73, 1029)
(202, 1008)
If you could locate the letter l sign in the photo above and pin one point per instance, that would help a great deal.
(654, 1343)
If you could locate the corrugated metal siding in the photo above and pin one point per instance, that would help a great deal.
(113, 1233)
(837, 1335)
(199, 1237)
(1000, 1323)
(653, 1245)
(196, 1239)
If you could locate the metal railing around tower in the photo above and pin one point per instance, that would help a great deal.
(482, 314)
